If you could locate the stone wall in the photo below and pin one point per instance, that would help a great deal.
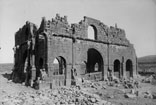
(56, 38)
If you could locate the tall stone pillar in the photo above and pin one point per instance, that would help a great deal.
(122, 68)
(33, 70)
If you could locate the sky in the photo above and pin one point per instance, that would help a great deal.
(136, 17)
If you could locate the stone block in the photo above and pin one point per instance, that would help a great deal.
(130, 95)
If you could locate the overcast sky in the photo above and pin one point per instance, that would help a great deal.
(136, 17)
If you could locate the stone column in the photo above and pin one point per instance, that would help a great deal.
(33, 69)
(105, 71)
(122, 68)
(68, 78)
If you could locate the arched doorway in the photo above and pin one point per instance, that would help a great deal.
(117, 68)
(59, 66)
(129, 68)
(94, 63)
(56, 66)
(59, 72)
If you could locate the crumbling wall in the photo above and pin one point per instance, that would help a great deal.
(122, 53)
(20, 51)
(112, 35)
(56, 38)
(23, 50)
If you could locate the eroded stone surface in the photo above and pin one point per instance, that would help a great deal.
(57, 53)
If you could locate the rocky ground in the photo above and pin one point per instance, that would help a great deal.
(90, 93)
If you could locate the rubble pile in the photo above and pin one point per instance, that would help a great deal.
(147, 80)
(95, 85)
(130, 88)
(151, 79)
(59, 96)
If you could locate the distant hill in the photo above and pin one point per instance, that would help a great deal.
(147, 59)
(147, 64)
(6, 67)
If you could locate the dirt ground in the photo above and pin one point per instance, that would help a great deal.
(115, 95)
(7, 87)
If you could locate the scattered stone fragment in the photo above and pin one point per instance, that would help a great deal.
(110, 96)
(132, 91)
(60, 96)
(130, 95)
(154, 95)
(148, 95)
(138, 93)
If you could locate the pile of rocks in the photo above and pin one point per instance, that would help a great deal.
(148, 79)
(129, 83)
(151, 79)
(137, 93)
(59, 96)
(95, 85)
(148, 94)
(126, 83)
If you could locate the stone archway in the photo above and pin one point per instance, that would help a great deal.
(129, 68)
(94, 64)
(117, 68)
(59, 72)
(94, 61)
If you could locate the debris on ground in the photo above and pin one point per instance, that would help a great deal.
(60, 96)
(119, 91)
(128, 95)
(154, 95)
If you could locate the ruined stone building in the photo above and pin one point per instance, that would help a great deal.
(59, 47)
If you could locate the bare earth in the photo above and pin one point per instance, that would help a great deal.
(115, 95)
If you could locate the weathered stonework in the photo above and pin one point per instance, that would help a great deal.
(69, 44)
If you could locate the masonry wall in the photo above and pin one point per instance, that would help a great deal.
(56, 38)
(20, 51)
(72, 43)
(122, 53)
(60, 46)
(81, 49)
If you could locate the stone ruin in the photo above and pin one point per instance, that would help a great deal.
(58, 53)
